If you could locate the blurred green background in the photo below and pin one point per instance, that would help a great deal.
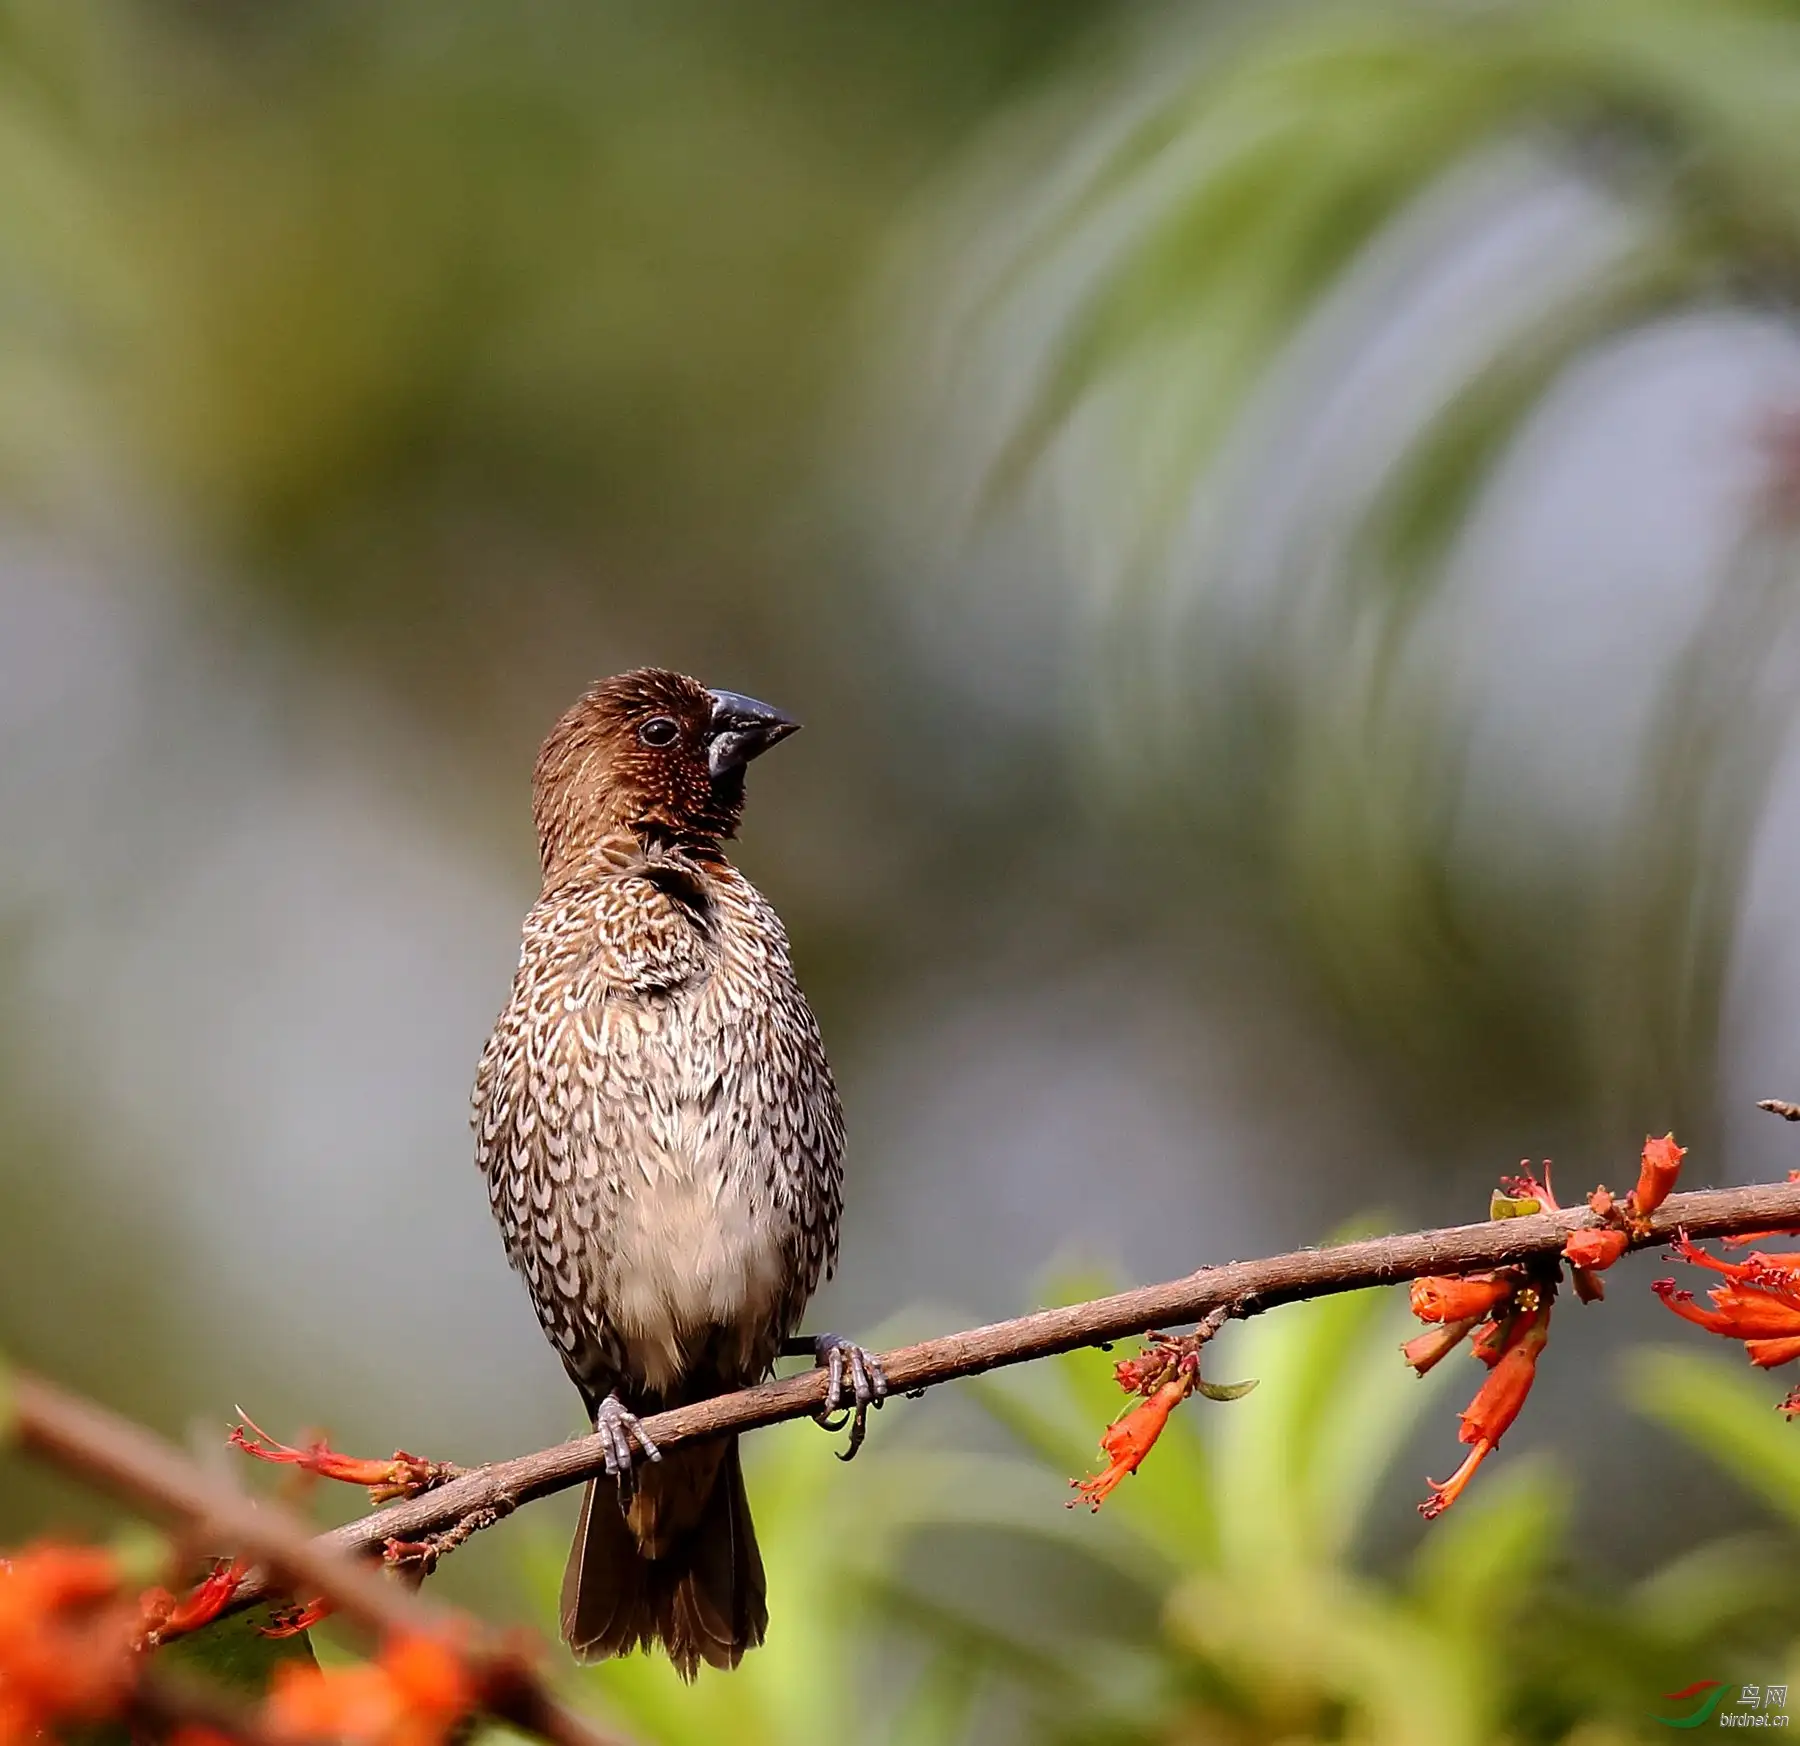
(1280, 522)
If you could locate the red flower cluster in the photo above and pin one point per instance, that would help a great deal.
(1595, 1248)
(1506, 1313)
(66, 1632)
(413, 1694)
(73, 1640)
(1759, 1303)
(1166, 1372)
(1510, 1349)
(1127, 1440)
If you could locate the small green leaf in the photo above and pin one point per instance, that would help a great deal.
(1225, 1390)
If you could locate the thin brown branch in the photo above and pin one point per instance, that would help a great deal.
(1238, 1288)
(137, 1466)
(132, 1463)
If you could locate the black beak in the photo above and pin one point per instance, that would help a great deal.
(743, 729)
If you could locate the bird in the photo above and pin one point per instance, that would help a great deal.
(663, 1140)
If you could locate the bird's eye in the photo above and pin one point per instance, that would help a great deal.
(659, 730)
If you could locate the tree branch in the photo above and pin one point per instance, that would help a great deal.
(133, 1464)
(1239, 1288)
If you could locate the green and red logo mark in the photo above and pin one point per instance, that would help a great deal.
(1710, 1693)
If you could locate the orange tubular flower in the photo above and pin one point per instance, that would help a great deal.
(1436, 1344)
(1759, 1303)
(65, 1641)
(1494, 1407)
(163, 1616)
(401, 1475)
(1738, 1313)
(1491, 1340)
(414, 1694)
(1468, 1298)
(1772, 1272)
(1128, 1440)
(1589, 1286)
(1657, 1171)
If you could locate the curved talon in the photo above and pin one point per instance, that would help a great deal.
(618, 1427)
(845, 1361)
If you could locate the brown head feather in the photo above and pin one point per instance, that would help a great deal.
(631, 755)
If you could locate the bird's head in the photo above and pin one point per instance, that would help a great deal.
(651, 752)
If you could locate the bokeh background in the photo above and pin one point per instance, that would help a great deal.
(1280, 521)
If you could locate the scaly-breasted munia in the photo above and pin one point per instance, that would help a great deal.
(662, 1142)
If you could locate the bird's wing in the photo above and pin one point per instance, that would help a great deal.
(555, 1107)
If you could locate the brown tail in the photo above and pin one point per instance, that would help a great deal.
(701, 1596)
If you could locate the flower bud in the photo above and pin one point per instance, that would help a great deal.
(1595, 1248)
(1657, 1171)
(1445, 1299)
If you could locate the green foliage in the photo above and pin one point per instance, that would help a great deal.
(234, 1652)
(318, 268)
(1743, 1587)
(1248, 1535)
(1286, 145)
(1726, 1412)
(826, 1529)
(1242, 1528)
(1253, 371)
(1229, 1591)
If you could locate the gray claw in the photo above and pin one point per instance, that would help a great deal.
(868, 1379)
(868, 1387)
(618, 1427)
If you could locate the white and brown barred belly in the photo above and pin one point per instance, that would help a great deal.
(659, 1128)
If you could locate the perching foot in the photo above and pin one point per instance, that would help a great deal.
(854, 1382)
(620, 1429)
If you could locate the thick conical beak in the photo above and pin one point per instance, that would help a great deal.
(743, 729)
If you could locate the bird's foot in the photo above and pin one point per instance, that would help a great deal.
(854, 1382)
(620, 1428)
